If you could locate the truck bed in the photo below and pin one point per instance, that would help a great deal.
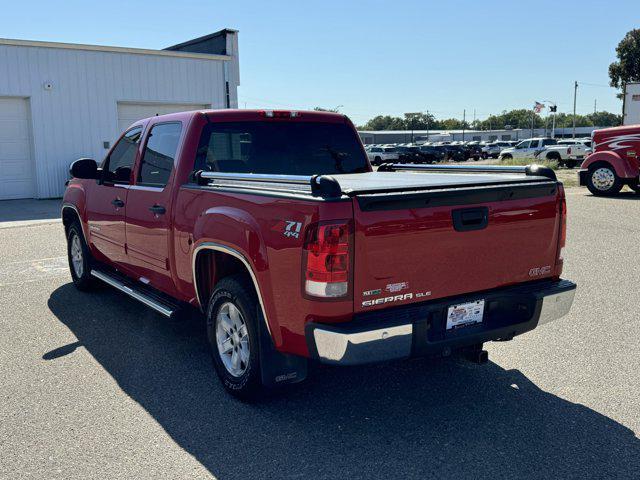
(388, 179)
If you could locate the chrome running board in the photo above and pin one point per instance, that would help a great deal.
(158, 305)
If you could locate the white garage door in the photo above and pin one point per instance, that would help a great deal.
(16, 168)
(132, 112)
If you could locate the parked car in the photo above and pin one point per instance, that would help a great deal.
(567, 155)
(274, 227)
(492, 150)
(456, 153)
(432, 154)
(380, 155)
(526, 148)
(408, 154)
(473, 150)
(614, 161)
(575, 141)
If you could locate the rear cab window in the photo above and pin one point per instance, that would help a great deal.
(281, 148)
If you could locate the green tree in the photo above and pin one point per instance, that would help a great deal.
(452, 124)
(605, 119)
(385, 122)
(627, 68)
(419, 121)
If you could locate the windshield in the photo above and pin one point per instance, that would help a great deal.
(282, 148)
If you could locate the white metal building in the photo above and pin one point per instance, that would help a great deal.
(60, 102)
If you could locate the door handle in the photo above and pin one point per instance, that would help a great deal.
(158, 209)
(116, 202)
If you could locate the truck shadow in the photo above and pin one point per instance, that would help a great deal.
(413, 419)
(624, 195)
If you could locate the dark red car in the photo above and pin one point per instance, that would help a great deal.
(275, 227)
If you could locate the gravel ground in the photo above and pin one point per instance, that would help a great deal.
(96, 386)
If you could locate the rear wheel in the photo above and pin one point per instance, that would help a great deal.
(553, 156)
(377, 161)
(602, 180)
(233, 336)
(79, 258)
(507, 156)
(572, 163)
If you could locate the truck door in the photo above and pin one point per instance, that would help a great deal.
(107, 198)
(534, 146)
(521, 149)
(149, 206)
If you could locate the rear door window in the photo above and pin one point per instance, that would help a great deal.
(159, 154)
(278, 147)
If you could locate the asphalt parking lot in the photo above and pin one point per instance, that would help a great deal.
(97, 386)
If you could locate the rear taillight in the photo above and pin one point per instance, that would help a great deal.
(326, 262)
(569, 151)
(562, 240)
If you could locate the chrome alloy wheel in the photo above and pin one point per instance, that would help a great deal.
(232, 339)
(603, 179)
(76, 256)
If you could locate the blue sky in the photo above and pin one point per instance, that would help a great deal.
(371, 57)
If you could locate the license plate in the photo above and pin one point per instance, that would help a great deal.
(465, 314)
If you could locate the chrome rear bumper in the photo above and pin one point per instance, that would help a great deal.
(381, 337)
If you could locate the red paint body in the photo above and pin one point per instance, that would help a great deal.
(619, 147)
(416, 246)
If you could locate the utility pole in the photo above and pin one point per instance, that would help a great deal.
(575, 94)
(427, 125)
(532, 119)
(595, 106)
(464, 120)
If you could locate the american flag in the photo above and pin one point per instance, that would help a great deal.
(537, 107)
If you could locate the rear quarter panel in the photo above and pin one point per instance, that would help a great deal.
(254, 226)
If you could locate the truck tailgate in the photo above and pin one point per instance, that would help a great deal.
(421, 245)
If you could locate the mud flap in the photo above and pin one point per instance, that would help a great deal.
(278, 368)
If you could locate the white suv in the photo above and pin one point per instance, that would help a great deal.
(379, 155)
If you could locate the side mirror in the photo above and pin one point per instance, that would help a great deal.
(84, 168)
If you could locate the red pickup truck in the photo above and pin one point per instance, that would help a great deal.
(274, 226)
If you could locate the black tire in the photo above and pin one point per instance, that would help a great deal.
(238, 291)
(377, 161)
(602, 180)
(572, 163)
(554, 156)
(507, 156)
(81, 271)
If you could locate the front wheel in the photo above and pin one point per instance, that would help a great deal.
(233, 336)
(79, 258)
(602, 180)
(507, 156)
